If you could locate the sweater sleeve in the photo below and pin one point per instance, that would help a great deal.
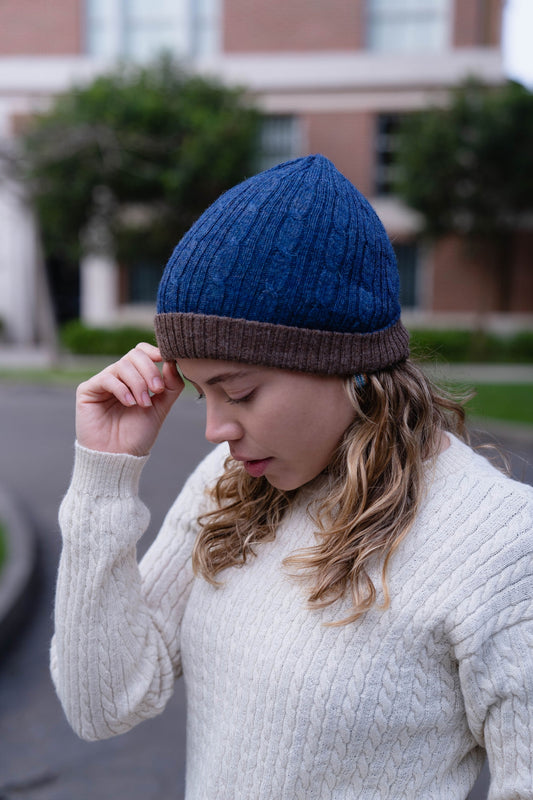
(494, 647)
(115, 651)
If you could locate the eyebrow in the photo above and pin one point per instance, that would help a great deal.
(222, 377)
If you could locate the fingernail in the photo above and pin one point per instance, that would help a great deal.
(129, 399)
(157, 384)
(146, 399)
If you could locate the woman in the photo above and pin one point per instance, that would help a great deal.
(345, 585)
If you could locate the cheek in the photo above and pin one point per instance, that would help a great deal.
(285, 430)
(335, 418)
(315, 429)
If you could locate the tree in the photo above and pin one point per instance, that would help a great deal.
(468, 167)
(143, 150)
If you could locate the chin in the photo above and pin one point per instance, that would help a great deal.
(287, 484)
(284, 485)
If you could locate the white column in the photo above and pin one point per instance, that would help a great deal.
(98, 268)
(23, 308)
(98, 289)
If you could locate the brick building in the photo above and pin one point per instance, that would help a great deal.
(333, 76)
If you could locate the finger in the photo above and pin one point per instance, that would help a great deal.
(142, 357)
(172, 378)
(95, 386)
(139, 370)
(103, 386)
(136, 377)
(174, 386)
(153, 352)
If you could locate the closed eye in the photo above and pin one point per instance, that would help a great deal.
(236, 400)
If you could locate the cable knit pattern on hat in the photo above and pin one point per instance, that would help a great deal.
(399, 704)
(291, 262)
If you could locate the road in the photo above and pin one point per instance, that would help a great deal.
(40, 757)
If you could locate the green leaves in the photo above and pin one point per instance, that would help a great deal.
(163, 144)
(468, 168)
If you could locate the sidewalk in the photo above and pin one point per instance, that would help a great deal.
(42, 358)
(12, 357)
(480, 373)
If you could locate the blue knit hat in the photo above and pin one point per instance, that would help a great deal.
(290, 269)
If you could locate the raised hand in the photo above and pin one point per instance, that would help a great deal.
(122, 408)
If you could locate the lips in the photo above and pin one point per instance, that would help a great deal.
(256, 467)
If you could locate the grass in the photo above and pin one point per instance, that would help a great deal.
(512, 402)
(66, 375)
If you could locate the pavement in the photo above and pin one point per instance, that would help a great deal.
(27, 357)
(481, 373)
(18, 573)
(40, 757)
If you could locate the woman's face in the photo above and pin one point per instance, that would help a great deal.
(280, 424)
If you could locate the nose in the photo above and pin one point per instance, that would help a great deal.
(220, 424)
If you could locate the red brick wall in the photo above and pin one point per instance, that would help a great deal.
(460, 281)
(297, 25)
(477, 23)
(470, 279)
(40, 27)
(348, 140)
(521, 295)
(300, 25)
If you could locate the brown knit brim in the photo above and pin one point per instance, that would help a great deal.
(265, 344)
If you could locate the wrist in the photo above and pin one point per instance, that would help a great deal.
(107, 473)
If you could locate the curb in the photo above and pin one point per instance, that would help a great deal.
(19, 569)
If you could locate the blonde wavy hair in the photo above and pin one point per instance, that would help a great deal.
(375, 484)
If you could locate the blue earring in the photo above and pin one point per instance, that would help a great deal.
(360, 380)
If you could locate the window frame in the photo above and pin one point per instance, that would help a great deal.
(407, 17)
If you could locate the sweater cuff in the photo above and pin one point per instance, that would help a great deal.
(106, 474)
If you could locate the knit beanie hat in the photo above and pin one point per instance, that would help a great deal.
(292, 269)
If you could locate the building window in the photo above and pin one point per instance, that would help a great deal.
(280, 140)
(407, 258)
(407, 26)
(387, 126)
(141, 29)
(142, 281)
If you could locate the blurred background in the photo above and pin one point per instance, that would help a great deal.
(120, 121)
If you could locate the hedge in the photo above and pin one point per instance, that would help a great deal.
(79, 339)
(472, 346)
(440, 345)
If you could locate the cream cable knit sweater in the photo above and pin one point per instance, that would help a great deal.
(397, 705)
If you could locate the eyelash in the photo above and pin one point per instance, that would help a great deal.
(244, 399)
(230, 400)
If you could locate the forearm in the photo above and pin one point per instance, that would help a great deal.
(110, 664)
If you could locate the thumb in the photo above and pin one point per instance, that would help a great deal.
(174, 386)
